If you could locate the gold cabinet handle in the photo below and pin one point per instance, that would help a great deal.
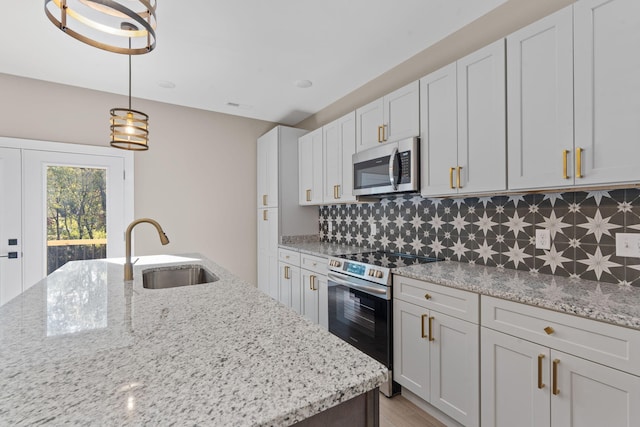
(308, 195)
(541, 385)
(556, 391)
(379, 133)
(451, 177)
(338, 191)
(431, 338)
(549, 330)
(458, 178)
(578, 162)
(564, 164)
(264, 215)
(427, 296)
(384, 137)
(312, 283)
(264, 200)
(422, 326)
(286, 272)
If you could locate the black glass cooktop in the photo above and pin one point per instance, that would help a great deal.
(388, 259)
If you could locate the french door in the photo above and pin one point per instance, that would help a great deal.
(59, 203)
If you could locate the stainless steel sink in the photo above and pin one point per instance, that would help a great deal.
(174, 276)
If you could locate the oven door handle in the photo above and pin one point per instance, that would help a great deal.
(332, 277)
(392, 168)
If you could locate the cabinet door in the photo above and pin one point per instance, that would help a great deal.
(510, 393)
(347, 131)
(540, 102)
(268, 251)
(310, 168)
(411, 348)
(482, 143)
(607, 90)
(593, 395)
(332, 157)
(401, 113)
(310, 287)
(369, 121)
(323, 301)
(439, 132)
(267, 169)
(455, 370)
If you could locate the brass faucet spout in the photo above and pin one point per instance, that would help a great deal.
(128, 266)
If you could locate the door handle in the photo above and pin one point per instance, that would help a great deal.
(286, 272)
(578, 162)
(379, 137)
(540, 359)
(564, 164)
(424, 316)
(392, 168)
(10, 255)
(458, 177)
(431, 338)
(555, 390)
(451, 177)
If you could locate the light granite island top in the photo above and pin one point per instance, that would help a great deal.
(84, 347)
(607, 302)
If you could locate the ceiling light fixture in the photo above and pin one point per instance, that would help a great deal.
(98, 23)
(129, 128)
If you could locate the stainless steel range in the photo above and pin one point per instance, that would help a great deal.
(360, 306)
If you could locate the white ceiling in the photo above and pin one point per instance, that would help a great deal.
(247, 52)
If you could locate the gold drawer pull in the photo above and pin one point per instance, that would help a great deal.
(264, 200)
(312, 283)
(308, 195)
(379, 134)
(264, 215)
(564, 164)
(451, 177)
(578, 162)
(458, 178)
(427, 296)
(431, 338)
(540, 383)
(549, 330)
(556, 390)
(384, 137)
(422, 326)
(286, 272)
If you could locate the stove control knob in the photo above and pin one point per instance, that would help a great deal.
(371, 272)
(379, 274)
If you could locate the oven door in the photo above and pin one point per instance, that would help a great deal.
(360, 314)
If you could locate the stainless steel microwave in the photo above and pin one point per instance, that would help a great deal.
(386, 169)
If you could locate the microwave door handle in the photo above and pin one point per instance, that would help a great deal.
(392, 168)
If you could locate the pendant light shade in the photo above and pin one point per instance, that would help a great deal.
(129, 128)
(98, 23)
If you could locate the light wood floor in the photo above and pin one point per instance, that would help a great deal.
(399, 412)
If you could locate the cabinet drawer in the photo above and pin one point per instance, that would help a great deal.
(289, 256)
(611, 345)
(314, 263)
(454, 302)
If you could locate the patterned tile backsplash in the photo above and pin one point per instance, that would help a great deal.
(500, 230)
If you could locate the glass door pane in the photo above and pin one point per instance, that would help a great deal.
(76, 214)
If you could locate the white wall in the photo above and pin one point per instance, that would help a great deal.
(198, 178)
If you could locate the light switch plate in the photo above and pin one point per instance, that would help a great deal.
(628, 245)
(330, 226)
(374, 228)
(543, 239)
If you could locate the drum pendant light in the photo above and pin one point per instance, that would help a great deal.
(129, 128)
(98, 23)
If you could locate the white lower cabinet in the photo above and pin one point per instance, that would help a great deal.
(302, 285)
(533, 383)
(436, 354)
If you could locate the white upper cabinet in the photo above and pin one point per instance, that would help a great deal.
(339, 145)
(390, 118)
(540, 103)
(607, 90)
(267, 170)
(310, 168)
(462, 121)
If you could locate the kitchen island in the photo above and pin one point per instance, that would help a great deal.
(85, 347)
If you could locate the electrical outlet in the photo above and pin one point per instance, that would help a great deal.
(330, 226)
(543, 239)
(628, 244)
(374, 228)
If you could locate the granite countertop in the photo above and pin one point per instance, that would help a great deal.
(323, 249)
(616, 304)
(84, 347)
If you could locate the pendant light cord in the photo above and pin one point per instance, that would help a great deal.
(129, 74)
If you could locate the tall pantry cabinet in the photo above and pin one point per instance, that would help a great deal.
(278, 211)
